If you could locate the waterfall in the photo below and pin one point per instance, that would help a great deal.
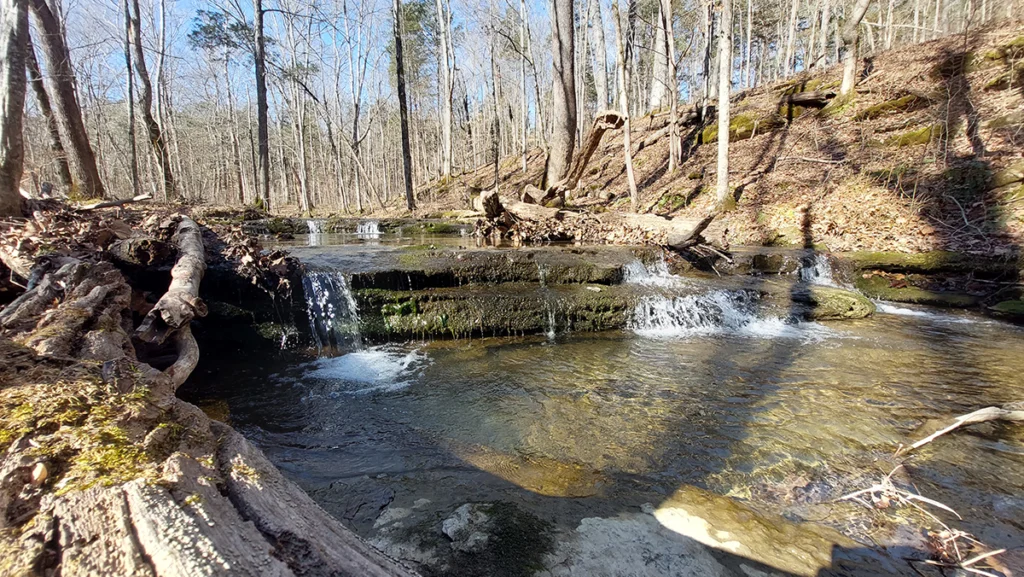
(552, 324)
(368, 229)
(655, 274)
(817, 270)
(316, 231)
(713, 313)
(333, 314)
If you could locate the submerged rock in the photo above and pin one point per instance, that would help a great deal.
(830, 303)
(469, 527)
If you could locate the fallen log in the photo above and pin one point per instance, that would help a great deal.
(1015, 414)
(526, 211)
(815, 98)
(113, 203)
(181, 303)
(683, 240)
(603, 122)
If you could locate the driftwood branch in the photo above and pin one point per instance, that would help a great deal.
(181, 303)
(684, 240)
(113, 203)
(979, 416)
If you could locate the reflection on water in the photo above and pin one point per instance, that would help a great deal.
(618, 419)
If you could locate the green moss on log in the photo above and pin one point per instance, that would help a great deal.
(905, 104)
(744, 126)
(916, 137)
(931, 262)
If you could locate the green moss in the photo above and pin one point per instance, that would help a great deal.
(671, 202)
(904, 104)
(1013, 310)
(879, 287)
(695, 175)
(1013, 119)
(829, 303)
(1010, 175)
(839, 105)
(743, 126)
(922, 135)
(923, 263)
(401, 308)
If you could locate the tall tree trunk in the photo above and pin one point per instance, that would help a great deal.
(850, 38)
(35, 76)
(563, 115)
(659, 67)
(724, 196)
(495, 80)
(889, 33)
(790, 38)
(156, 137)
(13, 43)
(523, 109)
(624, 56)
(133, 154)
(747, 80)
(262, 130)
(62, 89)
(826, 18)
(600, 52)
(674, 144)
(444, 68)
(403, 107)
(232, 132)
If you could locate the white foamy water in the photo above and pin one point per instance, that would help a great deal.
(384, 368)
(818, 271)
(368, 229)
(331, 308)
(316, 232)
(715, 313)
(892, 309)
(655, 274)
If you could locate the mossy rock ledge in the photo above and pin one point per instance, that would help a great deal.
(879, 287)
(832, 304)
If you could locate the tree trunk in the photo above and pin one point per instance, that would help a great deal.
(262, 130)
(35, 76)
(600, 52)
(850, 38)
(825, 21)
(156, 137)
(445, 80)
(674, 145)
(563, 117)
(62, 88)
(403, 107)
(888, 24)
(724, 196)
(659, 67)
(747, 80)
(133, 153)
(790, 38)
(13, 43)
(523, 109)
(623, 49)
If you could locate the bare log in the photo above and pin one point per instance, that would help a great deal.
(113, 203)
(685, 239)
(525, 211)
(816, 98)
(1014, 414)
(603, 122)
(181, 303)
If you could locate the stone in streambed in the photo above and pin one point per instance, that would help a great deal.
(831, 304)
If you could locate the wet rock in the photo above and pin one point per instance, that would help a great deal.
(830, 303)
(1011, 310)
(469, 527)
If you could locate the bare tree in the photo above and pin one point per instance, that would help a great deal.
(623, 57)
(788, 62)
(850, 38)
(724, 197)
(600, 51)
(133, 154)
(263, 130)
(35, 77)
(62, 89)
(13, 42)
(156, 137)
(674, 144)
(403, 107)
(563, 114)
(444, 70)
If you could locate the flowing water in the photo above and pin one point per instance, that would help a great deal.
(705, 390)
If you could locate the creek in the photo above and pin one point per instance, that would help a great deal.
(712, 412)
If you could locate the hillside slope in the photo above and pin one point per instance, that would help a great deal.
(926, 155)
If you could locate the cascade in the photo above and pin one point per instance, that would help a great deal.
(332, 310)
